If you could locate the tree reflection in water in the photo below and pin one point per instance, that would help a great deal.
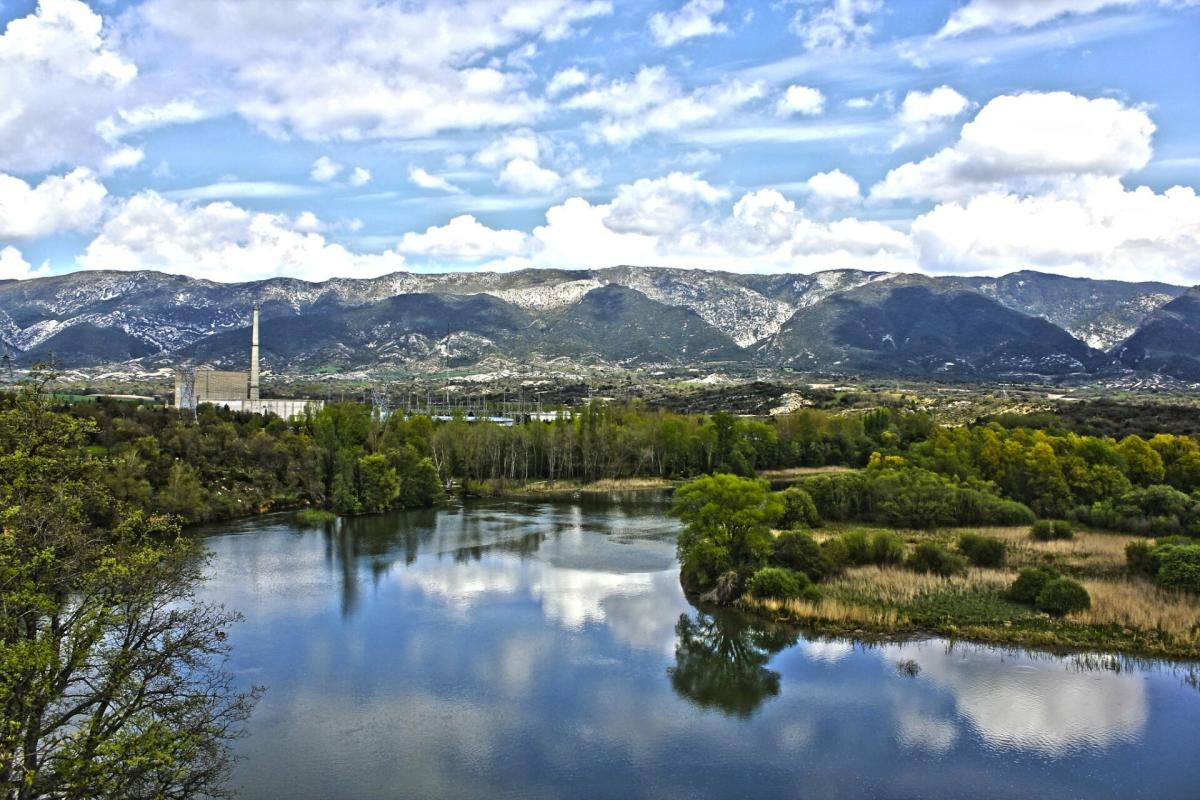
(721, 661)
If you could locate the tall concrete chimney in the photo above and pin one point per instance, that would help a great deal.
(254, 356)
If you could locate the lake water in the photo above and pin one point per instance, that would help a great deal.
(545, 650)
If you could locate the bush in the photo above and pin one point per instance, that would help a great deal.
(314, 517)
(780, 583)
(799, 510)
(1179, 566)
(1141, 559)
(1045, 530)
(797, 550)
(931, 557)
(836, 556)
(880, 548)
(1061, 596)
(1029, 584)
(982, 551)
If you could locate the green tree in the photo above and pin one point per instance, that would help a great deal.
(379, 485)
(111, 673)
(727, 523)
(1143, 465)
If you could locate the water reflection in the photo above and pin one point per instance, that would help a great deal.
(721, 661)
(546, 650)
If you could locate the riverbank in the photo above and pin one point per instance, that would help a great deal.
(1128, 614)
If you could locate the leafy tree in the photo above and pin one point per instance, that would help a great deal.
(111, 674)
(797, 550)
(1143, 464)
(799, 510)
(379, 485)
(781, 583)
(727, 526)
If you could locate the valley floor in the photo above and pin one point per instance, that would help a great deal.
(1129, 615)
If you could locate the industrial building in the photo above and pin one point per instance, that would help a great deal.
(239, 391)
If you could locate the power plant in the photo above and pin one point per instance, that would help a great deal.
(239, 391)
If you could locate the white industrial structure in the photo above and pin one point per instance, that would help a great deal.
(238, 391)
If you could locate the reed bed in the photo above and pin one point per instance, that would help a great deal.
(832, 611)
(1140, 605)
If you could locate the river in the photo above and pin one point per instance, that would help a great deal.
(545, 650)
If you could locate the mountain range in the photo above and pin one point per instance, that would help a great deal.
(836, 322)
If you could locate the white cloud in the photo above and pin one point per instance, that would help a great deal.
(70, 202)
(464, 238)
(427, 181)
(654, 102)
(1025, 141)
(360, 69)
(361, 176)
(60, 77)
(800, 100)
(226, 190)
(1092, 228)
(833, 187)
(566, 80)
(125, 121)
(694, 19)
(923, 113)
(518, 144)
(1009, 14)
(661, 206)
(13, 266)
(523, 175)
(325, 169)
(835, 25)
(221, 241)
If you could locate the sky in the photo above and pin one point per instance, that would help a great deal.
(242, 139)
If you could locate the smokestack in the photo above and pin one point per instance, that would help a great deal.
(254, 356)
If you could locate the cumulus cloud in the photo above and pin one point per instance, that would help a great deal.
(654, 102)
(836, 25)
(464, 238)
(361, 69)
(518, 144)
(1009, 14)
(694, 19)
(833, 188)
(61, 76)
(325, 169)
(1093, 227)
(1028, 140)
(221, 241)
(566, 80)
(13, 266)
(923, 113)
(361, 176)
(525, 176)
(800, 100)
(69, 202)
(425, 180)
(661, 206)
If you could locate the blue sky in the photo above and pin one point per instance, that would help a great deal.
(239, 139)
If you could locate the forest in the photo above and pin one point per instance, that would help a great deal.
(910, 471)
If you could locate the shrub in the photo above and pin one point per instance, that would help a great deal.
(1045, 530)
(931, 557)
(982, 551)
(912, 498)
(1141, 559)
(313, 517)
(780, 583)
(839, 496)
(836, 556)
(1061, 596)
(797, 550)
(1179, 566)
(798, 509)
(880, 548)
(1029, 584)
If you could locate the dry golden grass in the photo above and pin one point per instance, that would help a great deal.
(901, 586)
(800, 472)
(1088, 550)
(830, 610)
(1141, 605)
